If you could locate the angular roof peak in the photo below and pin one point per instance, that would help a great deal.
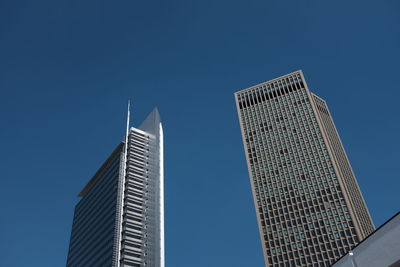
(152, 122)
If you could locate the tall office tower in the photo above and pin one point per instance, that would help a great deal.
(119, 220)
(309, 207)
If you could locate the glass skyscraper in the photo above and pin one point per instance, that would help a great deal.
(310, 210)
(119, 220)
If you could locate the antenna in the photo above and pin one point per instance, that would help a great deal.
(128, 120)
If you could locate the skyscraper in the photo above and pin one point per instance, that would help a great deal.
(119, 220)
(309, 207)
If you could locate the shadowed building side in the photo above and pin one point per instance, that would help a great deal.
(93, 237)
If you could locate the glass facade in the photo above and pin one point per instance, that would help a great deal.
(93, 237)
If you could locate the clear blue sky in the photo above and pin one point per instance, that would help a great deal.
(68, 68)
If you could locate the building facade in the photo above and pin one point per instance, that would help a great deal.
(310, 210)
(119, 220)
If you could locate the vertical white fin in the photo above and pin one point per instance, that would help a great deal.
(125, 161)
(127, 120)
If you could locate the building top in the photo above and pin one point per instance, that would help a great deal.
(300, 72)
(149, 125)
(101, 170)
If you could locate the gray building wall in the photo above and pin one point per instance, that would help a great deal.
(309, 208)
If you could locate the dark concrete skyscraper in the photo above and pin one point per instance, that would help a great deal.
(309, 207)
(119, 220)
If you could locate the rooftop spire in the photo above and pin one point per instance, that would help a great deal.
(128, 117)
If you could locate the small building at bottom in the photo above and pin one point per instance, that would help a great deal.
(381, 248)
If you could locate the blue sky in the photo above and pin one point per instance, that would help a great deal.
(68, 68)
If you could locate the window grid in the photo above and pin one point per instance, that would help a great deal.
(303, 215)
